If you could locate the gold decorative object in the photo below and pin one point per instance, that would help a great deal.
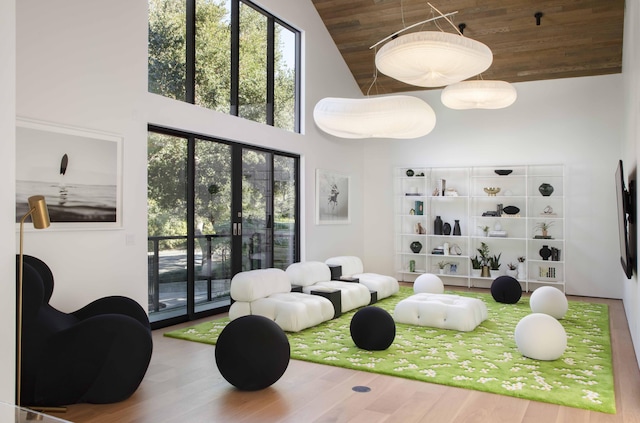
(492, 191)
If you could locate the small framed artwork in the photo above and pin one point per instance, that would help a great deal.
(332, 198)
(78, 171)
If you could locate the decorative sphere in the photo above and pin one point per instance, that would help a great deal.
(372, 328)
(506, 289)
(428, 283)
(252, 352)
(541, 337)
(549, 300)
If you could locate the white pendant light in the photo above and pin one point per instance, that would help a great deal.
(397, 116)
(433, 58)
(479, 94)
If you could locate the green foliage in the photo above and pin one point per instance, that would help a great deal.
(494, 262)
(475, 262)
(484, 253)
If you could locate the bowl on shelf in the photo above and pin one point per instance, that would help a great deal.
(503, 172)
(492, 191)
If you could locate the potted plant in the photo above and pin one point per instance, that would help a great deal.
(484, 260)
(494, 264)
(476, 266)
(544, 228)
(512, 270)
(484, 229)
(521, 270)
(441, 265)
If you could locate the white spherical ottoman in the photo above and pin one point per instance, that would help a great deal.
(541, 337)
(549, 300)
(428, 283)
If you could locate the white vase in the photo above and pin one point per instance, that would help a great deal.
(521, 271)
(475, 273)
(513, 273)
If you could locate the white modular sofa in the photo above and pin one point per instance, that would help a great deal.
(352, 267)
(267, 292)
(316, 275)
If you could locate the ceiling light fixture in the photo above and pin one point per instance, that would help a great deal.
(397, 116)
(479, 94)
(432, 58)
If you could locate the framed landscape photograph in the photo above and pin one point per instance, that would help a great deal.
(332, 198)
(78, 172)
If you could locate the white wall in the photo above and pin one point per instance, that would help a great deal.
(631, 76)
(576, 122)
(7, 203)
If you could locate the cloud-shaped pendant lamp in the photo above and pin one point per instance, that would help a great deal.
(479, 94)
(397, 116)
(433, 58)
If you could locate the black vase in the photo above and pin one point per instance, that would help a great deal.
(546, 189)
(456, 228)
(446, 229)
(437, 226)
(545, 252)
(415, 247)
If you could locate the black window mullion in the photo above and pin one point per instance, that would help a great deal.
(270, 69)
(190, 94)
(235, 57)
(191, 177)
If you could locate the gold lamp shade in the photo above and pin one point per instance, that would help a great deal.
(39, 212)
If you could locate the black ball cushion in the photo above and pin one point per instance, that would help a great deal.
(506, 289)
(252, 353)
(373, 329)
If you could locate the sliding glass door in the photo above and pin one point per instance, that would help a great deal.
(214, 209)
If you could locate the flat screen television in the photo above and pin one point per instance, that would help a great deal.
(625, 200)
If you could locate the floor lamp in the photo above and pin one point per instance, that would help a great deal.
(40, 218)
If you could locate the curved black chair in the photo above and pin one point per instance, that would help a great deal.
(98, 354)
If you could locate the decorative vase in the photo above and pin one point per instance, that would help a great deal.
(456, 228)
(486, 272)
(521, 271)
(475, 273)
(410, 172)
(441, 271)
(446, 229)
(437, 226)
(412, 265)
(415, 247)
(545, 189)
(545, 252)
(512, 272)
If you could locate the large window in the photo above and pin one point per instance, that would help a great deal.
(226, 55)
(214, 209)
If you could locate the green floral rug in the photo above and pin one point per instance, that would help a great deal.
(485, 359)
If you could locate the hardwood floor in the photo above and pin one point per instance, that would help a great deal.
(183, 385)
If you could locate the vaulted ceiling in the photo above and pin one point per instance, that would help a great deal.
(574, 37)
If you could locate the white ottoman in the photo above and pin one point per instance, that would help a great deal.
(549, 300)
(429, 284)
(442, 311)
(541, 337)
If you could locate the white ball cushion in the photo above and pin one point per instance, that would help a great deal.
(441, 311)
(549, 300)
(308, 273)
(541, 337)
(428, 283)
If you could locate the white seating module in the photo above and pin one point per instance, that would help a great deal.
(267, 292)
(442, 311)
(312, 275)
(352, 266)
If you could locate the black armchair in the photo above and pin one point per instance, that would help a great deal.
(98, 354)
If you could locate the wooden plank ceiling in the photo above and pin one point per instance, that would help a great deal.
(575, 37)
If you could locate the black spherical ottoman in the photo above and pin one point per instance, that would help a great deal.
(506, 289)
(373, 329)
(252, 353)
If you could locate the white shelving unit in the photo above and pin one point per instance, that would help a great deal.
(513, 217)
